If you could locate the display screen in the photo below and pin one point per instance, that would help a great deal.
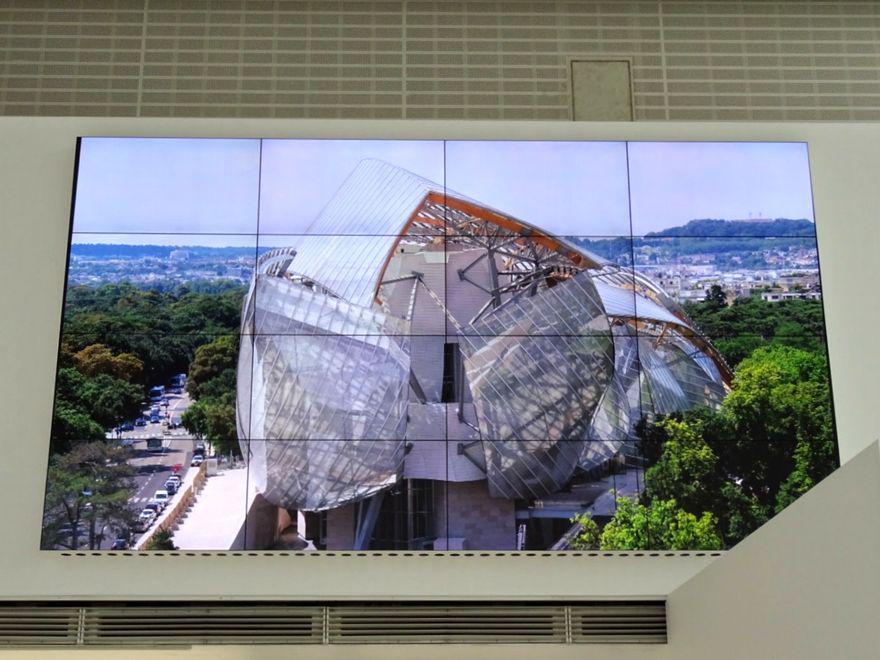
(329, 345)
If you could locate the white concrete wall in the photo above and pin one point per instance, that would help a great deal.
(805, 586)
(35, 185)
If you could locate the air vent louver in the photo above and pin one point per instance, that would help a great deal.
(35, 626)
(619, 623)
(209, 625)
(151, 624)
(460, 624)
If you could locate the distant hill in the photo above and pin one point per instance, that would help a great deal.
(738, 241)
(711, 228)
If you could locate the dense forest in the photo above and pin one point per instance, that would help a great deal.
(117, 341)
(740, 328)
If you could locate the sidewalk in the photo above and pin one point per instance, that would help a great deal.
(218, 513)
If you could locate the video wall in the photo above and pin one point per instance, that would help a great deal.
(331, 345)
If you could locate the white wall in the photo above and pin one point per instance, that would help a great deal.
(806, 585)
(35, 184)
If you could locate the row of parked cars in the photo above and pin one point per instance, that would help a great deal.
(157, 503)
(162, 497)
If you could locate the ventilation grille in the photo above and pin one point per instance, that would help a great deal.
(210, 625)
(621, 624)
(400, 623)
(447, 624)
(26, 626)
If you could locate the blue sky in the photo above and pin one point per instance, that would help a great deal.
(196, 186)
(167, 185)
(300, 176)
(673, 182)
(568, 188)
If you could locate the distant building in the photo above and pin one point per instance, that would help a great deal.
(776, 296)
(179, 255)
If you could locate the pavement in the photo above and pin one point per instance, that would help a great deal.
(218, 514)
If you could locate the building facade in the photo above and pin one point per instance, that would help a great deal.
(418, 344)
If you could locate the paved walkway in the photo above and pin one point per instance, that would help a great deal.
(216, 518)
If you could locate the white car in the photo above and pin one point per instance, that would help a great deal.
(197, 460)
(146, 519)
(161, 498)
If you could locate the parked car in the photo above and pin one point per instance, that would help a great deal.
(126, 426)
(173, 423)
(155, 507)
(161, 498)
(197, 460)
(140, 421)
(175, 478)
(145, 519)
(127, 442)
(154, 419)
(171, 487)
(121, 543)
(199, 449)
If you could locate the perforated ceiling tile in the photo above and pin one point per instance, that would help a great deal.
(457, 60)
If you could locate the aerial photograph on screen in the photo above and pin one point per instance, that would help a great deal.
(312, 345)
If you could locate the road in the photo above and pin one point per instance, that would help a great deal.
(153, 467)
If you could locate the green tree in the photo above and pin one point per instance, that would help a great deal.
(736, 349)
(769, 443)
(659, 525)
(740, 513)
(814, 459)
(715, 297)
(71, 425)
(107, 400)
(87, 493)
(213, 420)
(686, 470)
(780, 409)
(588, 535)
(195, 419)
(110, 400)
(161, 540)
(211, 361)
(97, 359)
